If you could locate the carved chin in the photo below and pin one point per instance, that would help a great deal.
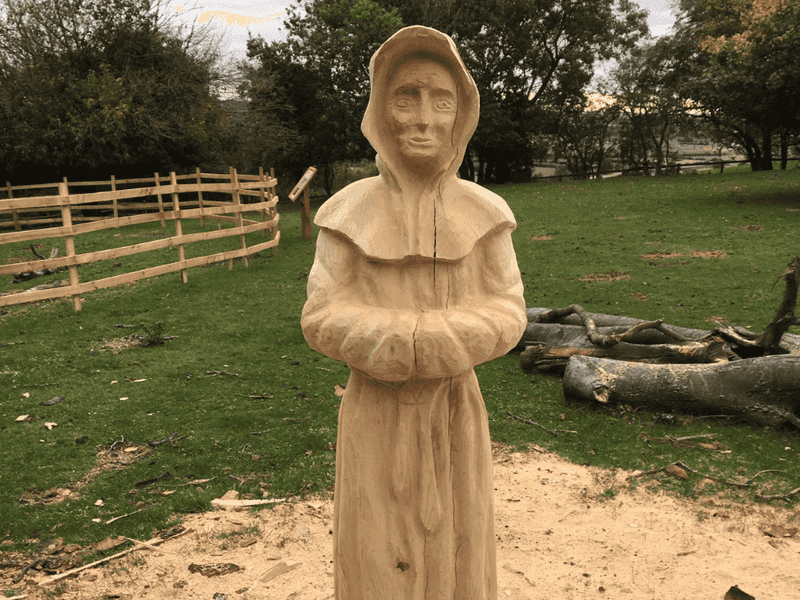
(415, 156)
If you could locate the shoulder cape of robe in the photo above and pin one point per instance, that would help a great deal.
(370, 214)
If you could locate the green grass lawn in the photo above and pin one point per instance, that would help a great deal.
(250, 407)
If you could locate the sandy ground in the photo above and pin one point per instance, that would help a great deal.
(559, 536)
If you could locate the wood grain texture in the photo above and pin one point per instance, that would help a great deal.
(415, 281)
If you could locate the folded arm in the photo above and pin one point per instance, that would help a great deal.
(399, 345)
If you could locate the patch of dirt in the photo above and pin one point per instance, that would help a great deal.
(563, 531)
(638, 296)
(660, 255)
(34, 497)
(610, 276)
(748, 227)
(715, 319)
(117, 345)
(540, 238)
(709, 254)
(116, 456)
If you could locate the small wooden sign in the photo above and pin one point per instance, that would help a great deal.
(302, 184)
(305, 210)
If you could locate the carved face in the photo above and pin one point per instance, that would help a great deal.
(421, 112)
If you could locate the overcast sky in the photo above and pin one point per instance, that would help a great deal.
(265, 18)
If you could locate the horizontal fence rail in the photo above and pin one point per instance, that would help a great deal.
(259, 190)
(670, 169)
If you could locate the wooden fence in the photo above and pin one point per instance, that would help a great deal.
(671, 169)
(76, 214)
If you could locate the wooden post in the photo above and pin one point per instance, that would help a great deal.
(160, 201)
(305, 215)
(176, 206)
(13, 210)
(273, 212)
(305, 210)
(114, 200)
(236, 202)
(721, 166)
(262, 194)
(200, 196)
(69, 239)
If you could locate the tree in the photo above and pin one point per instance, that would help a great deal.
(646, 92)
(742, 70)
(585, 136)
(317, 82)
(89, 87)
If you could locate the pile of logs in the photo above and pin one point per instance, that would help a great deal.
(728, 371)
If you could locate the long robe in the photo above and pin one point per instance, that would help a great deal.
(413, 492)
(413, 284)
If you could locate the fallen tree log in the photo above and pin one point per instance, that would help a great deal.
(553, 335)
(553, 358)
(764, 390)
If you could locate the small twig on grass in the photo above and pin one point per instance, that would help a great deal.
(171, 438)
(785, 497)
(11, 344)
(65, 574)
(146, 545)
(123, 516)
(260, 432)
(529, 422)
(764, 471)
(256, 397)
(746, 484)
(163, 477)
(196, 482)
(213, 373)
(687, 441)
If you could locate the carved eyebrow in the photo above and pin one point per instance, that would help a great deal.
(407, 89)
(412, 90)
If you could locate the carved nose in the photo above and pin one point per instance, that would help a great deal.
(424, 117)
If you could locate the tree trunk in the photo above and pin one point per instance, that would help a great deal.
(764, 390)
(784, 318)
(766, 151)
(784, 150)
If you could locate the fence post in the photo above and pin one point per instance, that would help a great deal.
(200, 196)
(273, 212)
(239, 223)
(160, 201)
(69, 238)
(721, 166)
(176, 206)
(13, 210)
(262, 196)
(114, 199)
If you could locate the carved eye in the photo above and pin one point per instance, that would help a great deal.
(402, 103)
(444, 104)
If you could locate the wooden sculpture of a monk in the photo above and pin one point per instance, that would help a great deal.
(415, 282)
